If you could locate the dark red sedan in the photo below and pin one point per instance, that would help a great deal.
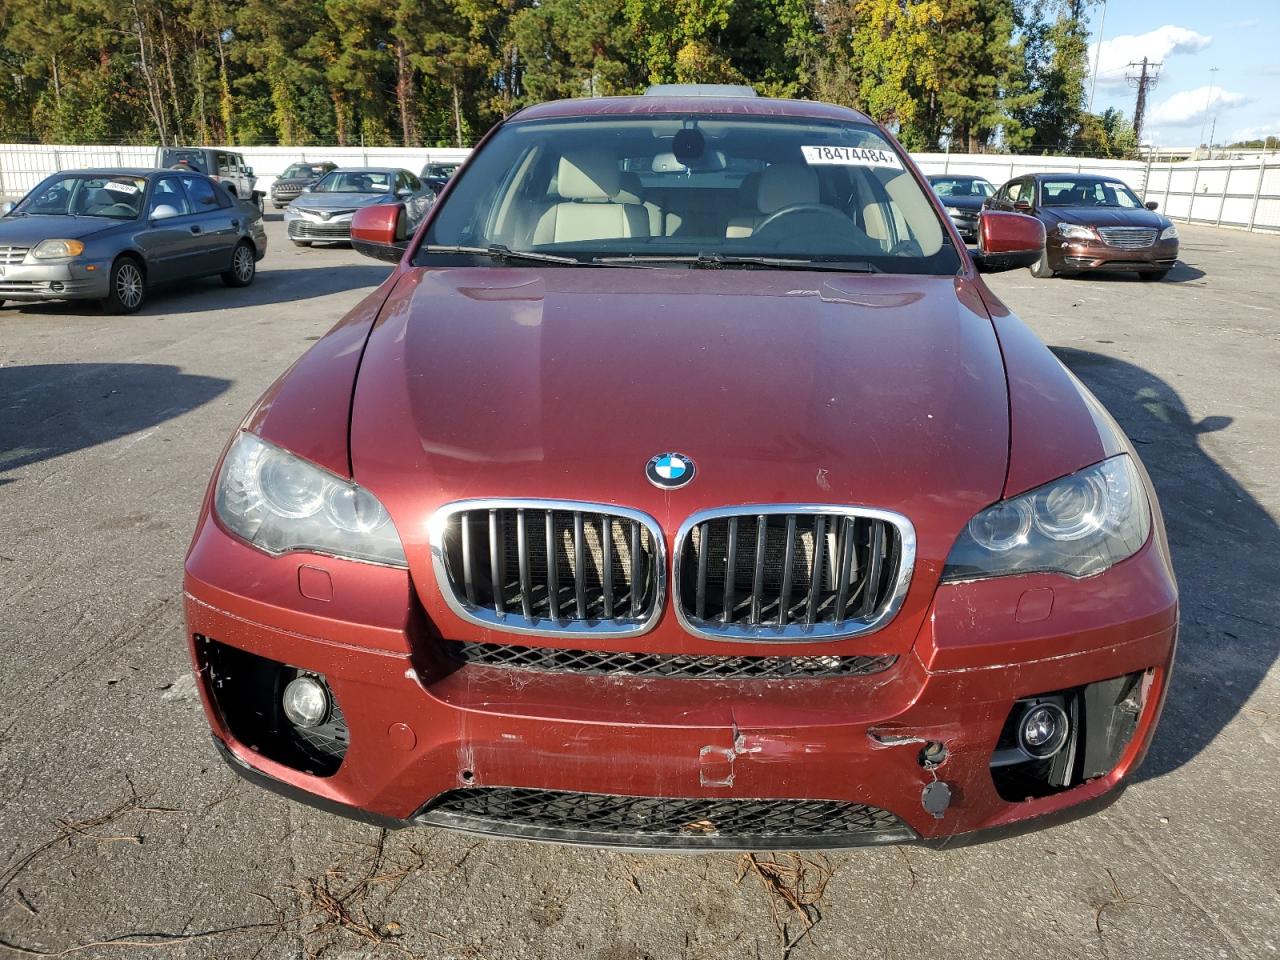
(685, 486)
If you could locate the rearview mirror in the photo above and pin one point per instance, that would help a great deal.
(379, 231)
(1007, 241)
(1152, 205)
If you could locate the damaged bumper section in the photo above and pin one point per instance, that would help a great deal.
(1021, 701)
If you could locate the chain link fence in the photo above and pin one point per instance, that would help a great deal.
(1229, 193)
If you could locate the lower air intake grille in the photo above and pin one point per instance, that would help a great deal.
(664, 821)
(550, 567)
(670, 665)
(791, 572)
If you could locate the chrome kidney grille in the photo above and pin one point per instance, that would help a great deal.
(1127, 238)
(799, 572)
(553, 568)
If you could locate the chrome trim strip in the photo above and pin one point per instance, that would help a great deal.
(545, 627)
(797, 632)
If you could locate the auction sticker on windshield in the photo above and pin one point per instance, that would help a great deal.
(121, 186)
(852, 156)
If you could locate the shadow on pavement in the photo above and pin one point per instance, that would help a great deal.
(1181, 273)
(1226, 551)
(47, 410)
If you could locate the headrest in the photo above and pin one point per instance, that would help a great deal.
(631, 190)
(588, 176)
(749, 190)
(786, 184)
(100, 198)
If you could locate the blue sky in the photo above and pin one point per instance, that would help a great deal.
(1239, 37)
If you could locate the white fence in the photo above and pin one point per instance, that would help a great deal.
(23, 165)
(1236, 193)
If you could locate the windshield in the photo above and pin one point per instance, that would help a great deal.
(440, 169)
(115, 197)
(695, 188)
(1068, 192)
(300, 171)
(962, 187)
(355, 181)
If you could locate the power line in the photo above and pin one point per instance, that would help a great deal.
(1148, 77)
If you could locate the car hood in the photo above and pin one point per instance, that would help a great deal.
(28, 231)
(338, 201)
(782, 387)
(1104, 217)
(293, 181)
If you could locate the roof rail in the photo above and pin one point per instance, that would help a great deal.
(700, 90)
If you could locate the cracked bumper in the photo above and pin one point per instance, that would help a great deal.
(421, 725)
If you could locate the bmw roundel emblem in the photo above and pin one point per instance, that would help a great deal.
(669, 470)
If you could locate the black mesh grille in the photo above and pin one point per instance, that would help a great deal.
(787, 570)
(690, 666)
(547, 566)
(621, 820)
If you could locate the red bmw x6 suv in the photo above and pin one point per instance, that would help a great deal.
(684, 486)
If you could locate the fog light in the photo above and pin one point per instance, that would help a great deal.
(306, 702)
(56, 286)
(1043, 730)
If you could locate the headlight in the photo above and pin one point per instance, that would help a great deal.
(1079, 525)
(279, 502)
(953, 211)
(1169, 233)
(1073, 231)
(54, 249)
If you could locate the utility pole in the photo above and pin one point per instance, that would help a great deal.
(1148, 76)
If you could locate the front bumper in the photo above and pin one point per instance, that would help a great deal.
(1072, 255)
(423, 728)
(966, 224)
(69, 280)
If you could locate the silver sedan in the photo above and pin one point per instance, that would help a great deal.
(110, 235)
(323, 211)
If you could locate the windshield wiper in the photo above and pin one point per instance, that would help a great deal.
(504, 254)
(717, 261)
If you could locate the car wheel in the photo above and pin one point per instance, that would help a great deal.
(243, 266)
(1040, 269)
(1152, 276)
(302, 243)
(127, 285)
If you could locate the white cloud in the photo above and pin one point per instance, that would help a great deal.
(1115, 55)
(1259, 132)
(1190, 107)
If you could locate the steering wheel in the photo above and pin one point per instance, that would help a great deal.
(820, 209)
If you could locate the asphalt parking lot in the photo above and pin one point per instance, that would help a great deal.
(118, 820)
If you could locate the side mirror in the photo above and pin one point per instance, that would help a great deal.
(248, 171)
(1021, 205)
(379, 231)
(6, 208)
(1007, 241)
(1152, 205)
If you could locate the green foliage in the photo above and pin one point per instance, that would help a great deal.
(970, 74)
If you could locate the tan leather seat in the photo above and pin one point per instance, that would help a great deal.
(588, 185)
(781, 185)
(633, 192)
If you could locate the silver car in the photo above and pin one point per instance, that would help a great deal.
(323, 211)
(110, 235)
